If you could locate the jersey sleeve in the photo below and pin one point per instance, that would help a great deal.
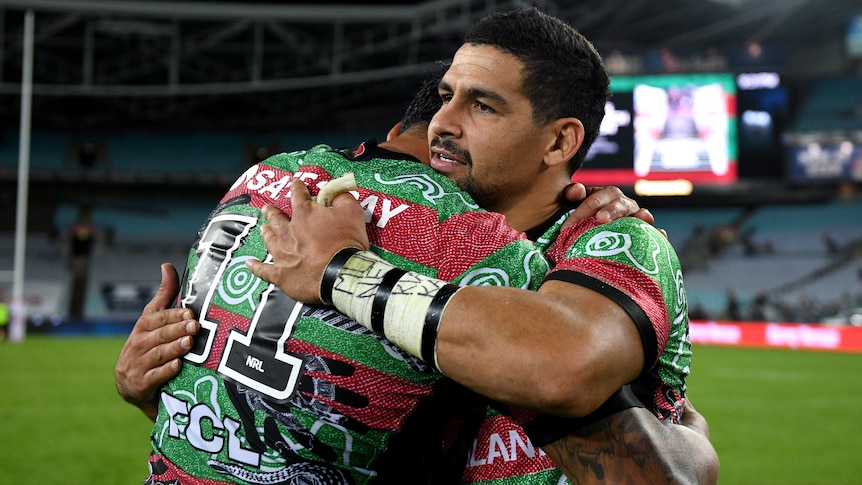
(632, 263)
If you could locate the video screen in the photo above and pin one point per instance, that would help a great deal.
(763, 106)
(666, 127)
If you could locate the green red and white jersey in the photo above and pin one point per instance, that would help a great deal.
(275, 391)
(632, 263)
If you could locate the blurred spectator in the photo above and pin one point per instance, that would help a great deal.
(731, 311)
(82, 235)
(4, 315)
(698, 312)
(87, 155)
(832, 246)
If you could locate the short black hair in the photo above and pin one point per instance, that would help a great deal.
(426, 102)
(563, 74)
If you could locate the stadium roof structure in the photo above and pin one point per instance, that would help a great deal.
(326, 65)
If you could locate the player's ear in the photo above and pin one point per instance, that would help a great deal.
(567, 137)
(394, 131)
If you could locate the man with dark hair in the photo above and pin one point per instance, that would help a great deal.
(289, 390)
(478, 181)
(611, 314)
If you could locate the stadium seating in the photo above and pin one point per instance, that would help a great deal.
(801, 253)
(834, 103)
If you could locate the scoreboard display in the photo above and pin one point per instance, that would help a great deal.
(664, 128)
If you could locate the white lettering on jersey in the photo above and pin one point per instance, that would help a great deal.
(195, 433)
(254, 363)
(386, 211)
(274, 189)
(248, 174)
(262, 180)
(497, 449)
(234, 446)
(190, 423)
(515, 448)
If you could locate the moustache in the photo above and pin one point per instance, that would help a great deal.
(454, 149)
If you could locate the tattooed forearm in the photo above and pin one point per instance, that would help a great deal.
(634, 447)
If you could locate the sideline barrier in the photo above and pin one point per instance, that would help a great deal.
(777, 335)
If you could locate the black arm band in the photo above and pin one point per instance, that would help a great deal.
(546, 428)
(432, 322)
(381, 297)
(330, 274)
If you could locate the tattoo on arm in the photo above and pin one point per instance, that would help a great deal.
(631, 446)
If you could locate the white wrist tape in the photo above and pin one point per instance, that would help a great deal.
(405, 307)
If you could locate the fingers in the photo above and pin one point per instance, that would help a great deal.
(645, 215)
(575, 192)
(151, 356)
(693, 420)
(275, 216)
(616, 209)
(299, 195)
(164, 359)
(278, 221)
(261, 270)
(177, 336)
(159, 375)
(268, 234)
(163, 362)
(590, 207)
(344, 199)
(168, 337)
(607, 204)
(167, 292)
(147, 351)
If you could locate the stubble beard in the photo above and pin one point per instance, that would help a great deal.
(488, 197)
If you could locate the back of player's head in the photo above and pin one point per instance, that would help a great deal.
(426, 102)
(563, 75)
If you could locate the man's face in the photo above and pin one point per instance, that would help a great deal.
(484, 137)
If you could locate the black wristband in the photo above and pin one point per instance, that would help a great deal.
(330, 274)
(432, 322)
(381, 296)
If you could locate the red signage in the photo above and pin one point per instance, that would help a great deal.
(779, 335)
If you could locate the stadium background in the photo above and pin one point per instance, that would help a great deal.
(143, 112)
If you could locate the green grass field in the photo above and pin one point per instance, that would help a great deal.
(776, 416)
(63, 421)
(781, 416)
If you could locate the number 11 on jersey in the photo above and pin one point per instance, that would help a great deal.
(255, 358)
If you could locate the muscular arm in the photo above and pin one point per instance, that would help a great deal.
(563, 350)
(634, 447)
(150, 355)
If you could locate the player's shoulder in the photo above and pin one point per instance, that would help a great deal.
(312, 155)
(627, 235)
(627, 228)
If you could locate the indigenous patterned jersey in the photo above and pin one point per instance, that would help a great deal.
(275, 391)
(630, 262)
(502, 454)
